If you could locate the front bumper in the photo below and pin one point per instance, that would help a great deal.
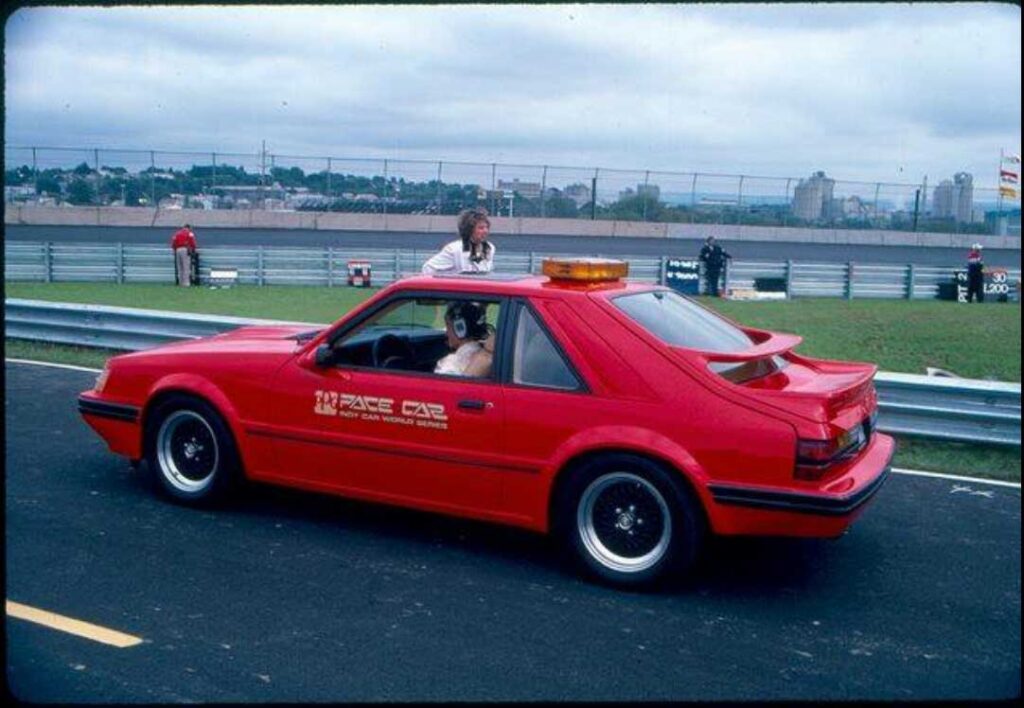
(825, 511)
(119, 424)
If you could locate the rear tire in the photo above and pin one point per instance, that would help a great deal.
(190, 451)
(628, 521)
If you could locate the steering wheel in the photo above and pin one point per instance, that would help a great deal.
(392, 352)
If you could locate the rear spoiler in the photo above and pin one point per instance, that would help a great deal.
(768, 344)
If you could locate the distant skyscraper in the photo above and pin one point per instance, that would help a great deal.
(811, 196)
(965, 197)
(942, 200)
(955, 200)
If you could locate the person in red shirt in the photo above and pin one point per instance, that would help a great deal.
(183, 243)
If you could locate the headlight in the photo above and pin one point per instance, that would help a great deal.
(101, 380)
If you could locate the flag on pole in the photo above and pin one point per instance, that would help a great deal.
(1008, 192)
(1008, 177)
(1012, 159)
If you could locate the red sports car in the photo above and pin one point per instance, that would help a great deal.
(625, 418)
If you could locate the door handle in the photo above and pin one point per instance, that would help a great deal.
(474, 405)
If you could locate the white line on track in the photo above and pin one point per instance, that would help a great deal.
(940, 475)
(61, 623)
(896, 470)
(55, 366)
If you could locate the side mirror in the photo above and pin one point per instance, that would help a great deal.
(324, 355)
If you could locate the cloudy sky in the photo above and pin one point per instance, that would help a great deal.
(887, 92)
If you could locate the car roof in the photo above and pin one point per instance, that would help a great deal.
(519, 285)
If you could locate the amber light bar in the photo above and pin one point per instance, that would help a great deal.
(585, 269)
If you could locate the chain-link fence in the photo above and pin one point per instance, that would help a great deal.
(264, 180)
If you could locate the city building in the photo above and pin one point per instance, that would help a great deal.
(579, 193)
(527, 190)
(251, 193)
(965, 197)
(942, 200)
(651, 191)
(852, 207)
(812, 196)
(955, 199)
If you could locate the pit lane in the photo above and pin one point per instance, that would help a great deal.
(287, 596)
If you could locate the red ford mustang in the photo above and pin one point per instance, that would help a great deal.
(626, 419)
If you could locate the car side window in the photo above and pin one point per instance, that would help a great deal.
(535, 358)
(440, 335)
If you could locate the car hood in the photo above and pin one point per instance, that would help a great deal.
(282, 339)
(296, 332)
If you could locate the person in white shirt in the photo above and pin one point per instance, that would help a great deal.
(469, 340)
(471, 252)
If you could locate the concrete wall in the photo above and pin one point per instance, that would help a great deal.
(500, 225)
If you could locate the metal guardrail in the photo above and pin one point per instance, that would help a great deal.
(122, 328)
(963, 410)
(270, 265)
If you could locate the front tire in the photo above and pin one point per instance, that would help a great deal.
(628, 521)
(190, 451)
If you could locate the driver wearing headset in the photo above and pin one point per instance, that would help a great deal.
(470, 340)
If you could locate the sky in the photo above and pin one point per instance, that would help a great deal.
(885, 92)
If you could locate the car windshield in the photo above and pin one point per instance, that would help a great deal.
(682, 323)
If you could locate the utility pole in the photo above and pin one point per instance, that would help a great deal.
(263, 168)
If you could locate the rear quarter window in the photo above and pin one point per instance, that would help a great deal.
(680, 322)
(677, 321)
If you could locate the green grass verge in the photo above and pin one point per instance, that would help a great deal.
(977, 341)
(974, 341)
(92, 357)
(989, 461)
(954, 458)
(277, 302)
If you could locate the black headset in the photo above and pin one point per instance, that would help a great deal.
(468, 319)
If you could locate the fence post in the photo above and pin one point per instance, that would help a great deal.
(647, 179)
(693, 199)
(398, 264)
(910, 281)
(440, 203)
(48, 260)
(120, 262)
(260, 276)
(662, 270)
(725, 279)
(849, 280)
(739, 203)
(789, 278)
(529, 266)
(330, 266)
(543, 189)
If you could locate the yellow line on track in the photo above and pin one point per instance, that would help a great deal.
(72, 626)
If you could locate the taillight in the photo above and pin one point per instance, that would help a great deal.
(815, 457)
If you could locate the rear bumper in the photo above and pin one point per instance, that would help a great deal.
(117, 423)
(826, 511)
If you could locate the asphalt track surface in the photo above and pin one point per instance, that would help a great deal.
(287, 596)
(580, 245)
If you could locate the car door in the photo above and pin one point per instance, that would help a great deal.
(406, 435)
(546, 402)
